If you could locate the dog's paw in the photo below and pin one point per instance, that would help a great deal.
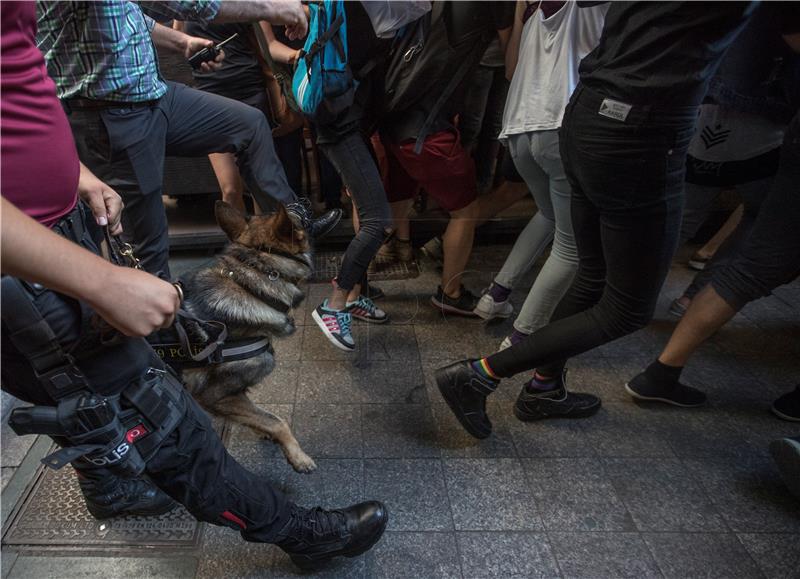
(301, 462)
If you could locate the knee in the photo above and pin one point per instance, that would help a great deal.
(623, 315)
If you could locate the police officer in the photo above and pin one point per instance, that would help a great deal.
(72, 345)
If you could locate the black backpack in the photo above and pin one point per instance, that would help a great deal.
(422, 60)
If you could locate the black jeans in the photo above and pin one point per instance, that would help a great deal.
(191, 465)
(125, 147)
(627, 196)
(770, 254)
(352, 158)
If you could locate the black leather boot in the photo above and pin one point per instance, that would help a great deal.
(109, 496)
(312, 537)
(465, 392)
(318, 228)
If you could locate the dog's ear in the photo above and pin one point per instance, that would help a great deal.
(232, 221)
(285, 228)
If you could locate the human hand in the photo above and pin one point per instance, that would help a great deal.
(105, 203)
(194, 44)
(135, 302)
(294, 16)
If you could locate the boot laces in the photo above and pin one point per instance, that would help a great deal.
(318, 523)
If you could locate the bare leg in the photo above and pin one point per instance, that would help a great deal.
(230, 182)
(707, 313)
(457, 244)
(711, 247)
(500, 199)
(400, 211)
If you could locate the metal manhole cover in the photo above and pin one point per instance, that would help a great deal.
(326, 267)
(54, 515)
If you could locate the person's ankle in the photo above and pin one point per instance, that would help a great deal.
(482, 368)
(662, 373)
(452, 294)
(541, 383)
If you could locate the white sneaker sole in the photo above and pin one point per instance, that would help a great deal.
(488, 316)
(656, 399)
(330, 335)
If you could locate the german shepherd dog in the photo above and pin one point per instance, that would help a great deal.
(251, 286)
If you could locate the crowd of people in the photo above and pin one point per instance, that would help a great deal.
(625, 121)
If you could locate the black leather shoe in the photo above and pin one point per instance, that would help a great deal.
(557, 403)
(312, 537)
(317, 228)
(114, 496)
(465, 392)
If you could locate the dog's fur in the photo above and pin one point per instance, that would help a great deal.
(252, 291)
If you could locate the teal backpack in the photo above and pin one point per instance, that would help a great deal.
(323, 84)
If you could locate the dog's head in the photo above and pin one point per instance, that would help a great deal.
(273, 231)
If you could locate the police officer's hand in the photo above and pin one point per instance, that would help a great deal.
(294, 16)
(194, 44)
(135, 302)
(105, 203)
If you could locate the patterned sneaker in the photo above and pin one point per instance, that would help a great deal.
(364, 309)
(335, 324)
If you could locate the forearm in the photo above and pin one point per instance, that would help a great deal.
(32, 252)
(277, 49)
(275, 11)
(169, 38)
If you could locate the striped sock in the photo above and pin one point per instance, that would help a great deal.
(541, 383)
(482, 367)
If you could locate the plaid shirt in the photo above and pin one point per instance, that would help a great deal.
(102, 50)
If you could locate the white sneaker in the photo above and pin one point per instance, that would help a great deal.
(505, 344)
(488, 309)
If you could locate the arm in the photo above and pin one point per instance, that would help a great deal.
(277, 49)
(176, 41)
(512, 49)
(105, 203)
(134, 302)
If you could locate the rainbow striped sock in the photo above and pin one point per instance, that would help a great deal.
(482, 367)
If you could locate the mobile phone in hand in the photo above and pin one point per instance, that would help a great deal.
(208, 53)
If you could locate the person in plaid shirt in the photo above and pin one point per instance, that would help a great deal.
(125, 117)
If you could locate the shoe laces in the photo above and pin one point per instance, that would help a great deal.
(367, 304)
(317, 523)
(345, 320)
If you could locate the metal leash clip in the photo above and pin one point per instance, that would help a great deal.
(120, 252)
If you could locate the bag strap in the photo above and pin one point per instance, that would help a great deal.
(33, 337)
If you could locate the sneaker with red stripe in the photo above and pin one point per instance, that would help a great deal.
(335, 324)
(364, 309)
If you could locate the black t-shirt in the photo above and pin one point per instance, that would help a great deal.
(240, 75)
(662, 53)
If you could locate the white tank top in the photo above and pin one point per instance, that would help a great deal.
(550, 51)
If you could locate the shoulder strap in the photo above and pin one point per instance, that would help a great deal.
(34, 338)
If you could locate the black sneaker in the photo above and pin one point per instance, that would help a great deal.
(556, 403)
(312, 537)
(465, 392)
(787, 407)
(112, 496)
(786, 453)
(463, 305)
(317, 228)
(373, 292)
(642, 387)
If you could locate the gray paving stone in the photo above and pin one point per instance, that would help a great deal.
(414, 492)
(575, 495)
(604, 378)
(226, 554)
(7, 560)
(700, 432)
(449, 341)
(328, 382)
(490, 495)
(393, 382)
(749, 494)
(622, 430)
(7, 473)
(555, 438)
(399, 431)
(662, 496)
(290, 347)
(506, 555)
(250, 448)
(31, 567)
(280, 386)
(601, 555)
(701, 555)
(14, 447)
(328, 430)
(777, 555)
(454, 441)
(402, 555)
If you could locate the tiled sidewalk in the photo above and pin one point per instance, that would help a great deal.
(636, 491)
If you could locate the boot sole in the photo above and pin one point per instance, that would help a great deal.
(786, 454)
(309, 564)
(633, 394)
(445, 390)
(444, 308)
(783, 416)
(527, 416)
(328, 335)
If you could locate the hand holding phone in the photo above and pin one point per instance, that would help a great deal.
(208, 53)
